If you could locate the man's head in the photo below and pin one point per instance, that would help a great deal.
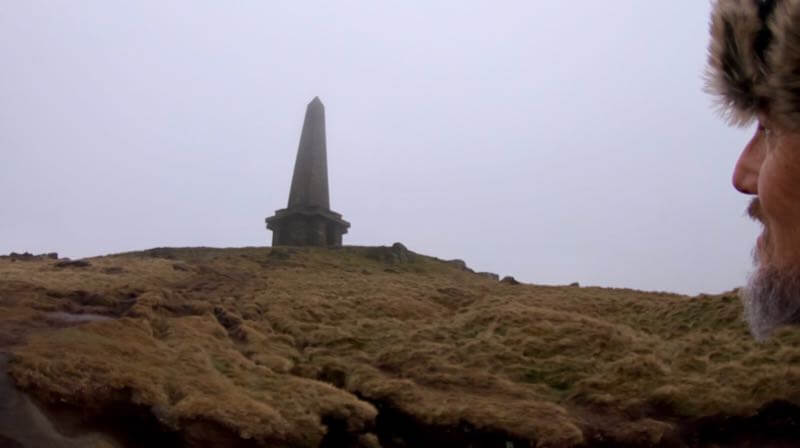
(754, 69)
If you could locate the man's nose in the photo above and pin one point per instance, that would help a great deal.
(745, 175)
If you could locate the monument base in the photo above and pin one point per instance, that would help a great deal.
(307, 226)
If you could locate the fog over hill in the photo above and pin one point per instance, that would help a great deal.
(555, 141)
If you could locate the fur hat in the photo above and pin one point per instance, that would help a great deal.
(754, 60)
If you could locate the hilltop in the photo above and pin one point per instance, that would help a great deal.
(378, 346)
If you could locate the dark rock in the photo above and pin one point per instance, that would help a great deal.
(490, 275)
(575, 285)
(26, 256)
(113, 270)
(401, 252)
(397, 254)
(73, 264)
(509, 280)
(461, 264)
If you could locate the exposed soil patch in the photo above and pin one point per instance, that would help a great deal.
(24, 424)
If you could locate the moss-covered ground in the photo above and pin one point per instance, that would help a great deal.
(279, 346)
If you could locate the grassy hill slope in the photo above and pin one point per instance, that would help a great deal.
(369, 347)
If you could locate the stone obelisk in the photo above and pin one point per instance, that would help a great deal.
(308, 219)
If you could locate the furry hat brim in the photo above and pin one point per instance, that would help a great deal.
(754, 60)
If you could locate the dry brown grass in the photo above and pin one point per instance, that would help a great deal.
(274, 344)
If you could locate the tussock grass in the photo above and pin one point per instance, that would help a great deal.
(275, 344)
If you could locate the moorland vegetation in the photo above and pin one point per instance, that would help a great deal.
(378, 346)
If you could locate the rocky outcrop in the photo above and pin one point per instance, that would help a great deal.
(396, 254)
(27, 256)
(509, 280)
(489, 275)
(461, 264)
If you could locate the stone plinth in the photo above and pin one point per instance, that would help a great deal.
(307, 226)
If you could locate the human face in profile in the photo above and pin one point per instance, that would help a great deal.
(769, 169)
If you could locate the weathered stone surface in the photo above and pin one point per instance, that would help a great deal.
(27, 256)
(308, 220)
(490, 275)
(461, 264)
(310, 178)
(396, 254)
(401, 253)
(509, 280)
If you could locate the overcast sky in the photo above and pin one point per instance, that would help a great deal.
(552, 141)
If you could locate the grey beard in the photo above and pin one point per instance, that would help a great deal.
(771, 299)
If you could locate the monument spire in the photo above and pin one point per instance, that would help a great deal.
(308, 220)
(310, 179)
